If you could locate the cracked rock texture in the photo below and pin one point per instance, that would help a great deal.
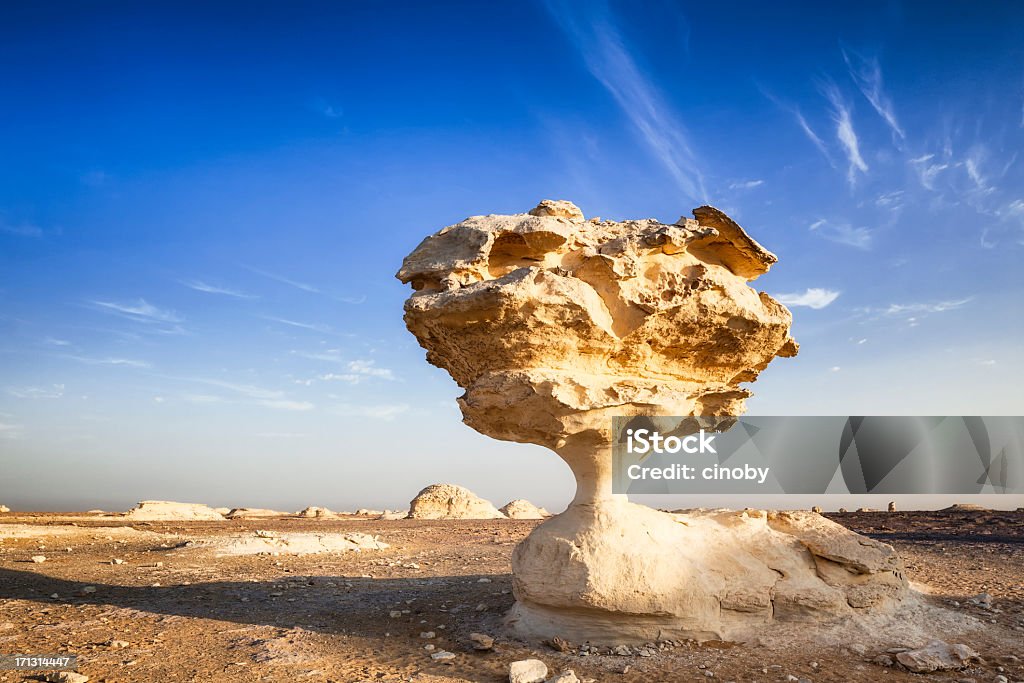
(553, 324)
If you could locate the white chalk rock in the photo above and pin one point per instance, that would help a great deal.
(527, 671)
(448, 501)
(553, 324)
(165, 510)
(523, 509)
(253, 513)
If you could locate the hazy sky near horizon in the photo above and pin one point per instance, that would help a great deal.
(202, 209)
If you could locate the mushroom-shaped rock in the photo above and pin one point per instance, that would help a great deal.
(448, 501)
(553, 324)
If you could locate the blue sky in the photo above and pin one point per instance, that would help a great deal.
(202, 210)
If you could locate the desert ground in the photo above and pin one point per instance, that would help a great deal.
(174, 601)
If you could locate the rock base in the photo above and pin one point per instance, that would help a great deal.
(614, 572)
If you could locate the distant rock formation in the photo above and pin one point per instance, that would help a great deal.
(4, 508)
(553, 324)
(391, 515)
(965, 507)
(523, 509)
(165, 510)
(448, 501)
(317, 513)
(253, 513)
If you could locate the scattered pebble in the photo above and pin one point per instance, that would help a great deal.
(567, 676)
(481, 641)
(65, 677)
(527, 671)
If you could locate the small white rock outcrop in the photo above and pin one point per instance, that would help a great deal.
(448, 501)
(523, 509)
(169, 511)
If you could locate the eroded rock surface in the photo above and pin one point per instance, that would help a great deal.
(937, 656)
(448, 501)
(553, 324)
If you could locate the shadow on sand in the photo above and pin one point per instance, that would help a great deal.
(353, 605)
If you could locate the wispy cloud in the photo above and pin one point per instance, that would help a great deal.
(1014, 210)
(312, 289)
(247, 394)
(386, 412)
(291, 406)
(798, 116)
(312, 327)
(813, 297)
(595, 36)
(126, 362)
(866, 72)
(811, 135)
(843, 233)
(915, 309)
(21, 229)
(203, 398)
(329, 355)
(51, 391)
(976, 157)
(284, 280)
(927, 170)
(745, 184)
(201, 286)
(890, 200)
(140, 311)
(845, 133)
(358, 371)
(52, 341)
(247, 390)
(280, 435)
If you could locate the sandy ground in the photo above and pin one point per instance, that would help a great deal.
(176, 609)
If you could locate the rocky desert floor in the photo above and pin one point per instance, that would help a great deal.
(162, 601)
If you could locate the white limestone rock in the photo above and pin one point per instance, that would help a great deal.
(448, 501)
